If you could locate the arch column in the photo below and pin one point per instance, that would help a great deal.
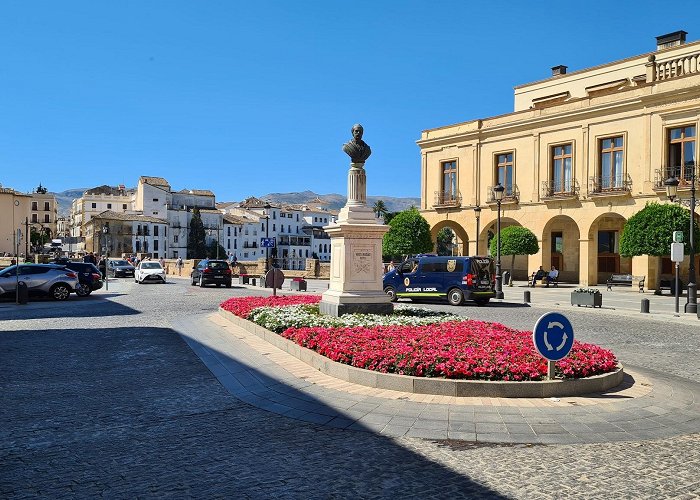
(586, 261)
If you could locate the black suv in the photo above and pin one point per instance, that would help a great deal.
(211, 271)
(89, 277)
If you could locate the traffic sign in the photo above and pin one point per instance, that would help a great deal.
(678, 236)
(553, 336)
(677, 252)
(268, 243)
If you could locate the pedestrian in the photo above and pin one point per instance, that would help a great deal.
(179, 264)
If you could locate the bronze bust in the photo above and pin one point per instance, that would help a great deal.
(357, 149)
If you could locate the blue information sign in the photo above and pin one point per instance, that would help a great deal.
(553, 336)
(268, 243)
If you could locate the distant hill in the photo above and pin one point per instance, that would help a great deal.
(331, 201)
(335, 201)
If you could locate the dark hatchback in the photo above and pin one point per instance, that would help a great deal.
(120, 269)
(89, 277)
(211, 271)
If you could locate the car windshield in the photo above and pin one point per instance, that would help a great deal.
(150, 265)
(120, 263)
(218, 265)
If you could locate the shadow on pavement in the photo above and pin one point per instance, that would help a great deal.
(74, 307)
(133, 411)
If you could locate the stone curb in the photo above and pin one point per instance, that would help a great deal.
(435, 386)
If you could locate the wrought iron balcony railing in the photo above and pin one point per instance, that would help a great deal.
(510, 195)
(560, 189)
(447, 199)
(684, 174)
(610, 185)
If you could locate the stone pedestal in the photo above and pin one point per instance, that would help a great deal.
(356, 256)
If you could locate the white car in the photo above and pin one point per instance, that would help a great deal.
(149, 270)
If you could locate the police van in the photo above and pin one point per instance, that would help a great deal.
(431, 277)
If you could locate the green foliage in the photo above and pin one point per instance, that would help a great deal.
(516, 240)
(389, 215)
(409, 234)
(444, 241)
(212, 251)
(196, 247)
(650, 231)
(380, 209)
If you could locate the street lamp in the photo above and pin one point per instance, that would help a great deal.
(105, 258)
(691, 306)
(498, 190)
(477, 212)
(267, 235)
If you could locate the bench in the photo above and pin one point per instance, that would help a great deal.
(670, 285)
(625, 280)
(546, 281)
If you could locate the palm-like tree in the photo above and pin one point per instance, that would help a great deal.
(379, 208)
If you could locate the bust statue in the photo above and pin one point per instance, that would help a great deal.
(357, 149)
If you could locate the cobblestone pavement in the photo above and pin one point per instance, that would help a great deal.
(101, 397)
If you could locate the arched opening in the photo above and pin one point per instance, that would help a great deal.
(460, 239)
(519, 265)
(561, 247)
(604, 247)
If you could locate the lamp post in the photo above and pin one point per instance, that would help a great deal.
(477, 212)
(105, 257)
(498, 190)
(691, 306)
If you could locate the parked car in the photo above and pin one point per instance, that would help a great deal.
(149, 270)
(89, 277)
(453, 278)
(41, 279)
(119, 268)
(211, 271)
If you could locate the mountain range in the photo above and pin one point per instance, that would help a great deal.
(329, 201)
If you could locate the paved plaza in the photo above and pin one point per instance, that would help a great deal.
(146, 390)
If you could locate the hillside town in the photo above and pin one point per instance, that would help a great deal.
(153, 220)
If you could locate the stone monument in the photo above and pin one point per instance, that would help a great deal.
(356, 245)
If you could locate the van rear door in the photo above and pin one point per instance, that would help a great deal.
(482, 269)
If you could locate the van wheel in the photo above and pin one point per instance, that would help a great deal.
(391, 293)
(481, 302)
(455, 297)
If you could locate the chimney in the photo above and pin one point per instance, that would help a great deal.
(558, 70)
(670, 40)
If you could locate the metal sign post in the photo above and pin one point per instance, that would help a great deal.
(553, 337)
(677, 257)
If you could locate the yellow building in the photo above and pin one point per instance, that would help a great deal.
(580, 154)
(14, 207)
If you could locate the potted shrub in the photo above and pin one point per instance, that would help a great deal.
(299, 284)
(587, 297)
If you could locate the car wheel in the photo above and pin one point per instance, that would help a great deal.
(228, 285)
(201, 282)
(60, 291)
(391, 292)
(455, 297)
(218, 285)
(194, 282)
(481, 302)
(82, 290)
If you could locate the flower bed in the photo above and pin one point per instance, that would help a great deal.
(417, 342)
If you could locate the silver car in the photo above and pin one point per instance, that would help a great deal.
(41, 279)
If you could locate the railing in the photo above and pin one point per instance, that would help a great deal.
(610, 184)
(560, 189)
(510, 195)
(686, 65)
(447, 199)
(684, 174)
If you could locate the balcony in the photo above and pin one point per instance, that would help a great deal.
(610, 185)
(297, 241)
(560, 190)
(446, 199)
(510, 195)
(254, 244)
(682, 66)
(684, 174)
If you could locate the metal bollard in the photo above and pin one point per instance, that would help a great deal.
(526, 297)
(645, 305)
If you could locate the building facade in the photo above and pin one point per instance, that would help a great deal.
(580, 154)
(15, 207)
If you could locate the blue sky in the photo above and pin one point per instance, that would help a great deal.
(247, 98)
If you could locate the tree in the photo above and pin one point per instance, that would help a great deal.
(196, 248)
(445, 238)
(515, 240)
(212, 252)
(650, 231)
(380, 209)
(409, 233)
(390, 215)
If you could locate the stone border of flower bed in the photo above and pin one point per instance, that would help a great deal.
(435, 386)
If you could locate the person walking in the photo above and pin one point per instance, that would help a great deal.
(179, 264)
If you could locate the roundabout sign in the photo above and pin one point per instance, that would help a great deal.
(553, 337)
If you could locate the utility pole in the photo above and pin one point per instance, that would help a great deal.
(26, 239)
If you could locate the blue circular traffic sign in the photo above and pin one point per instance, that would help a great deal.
(553, 336)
